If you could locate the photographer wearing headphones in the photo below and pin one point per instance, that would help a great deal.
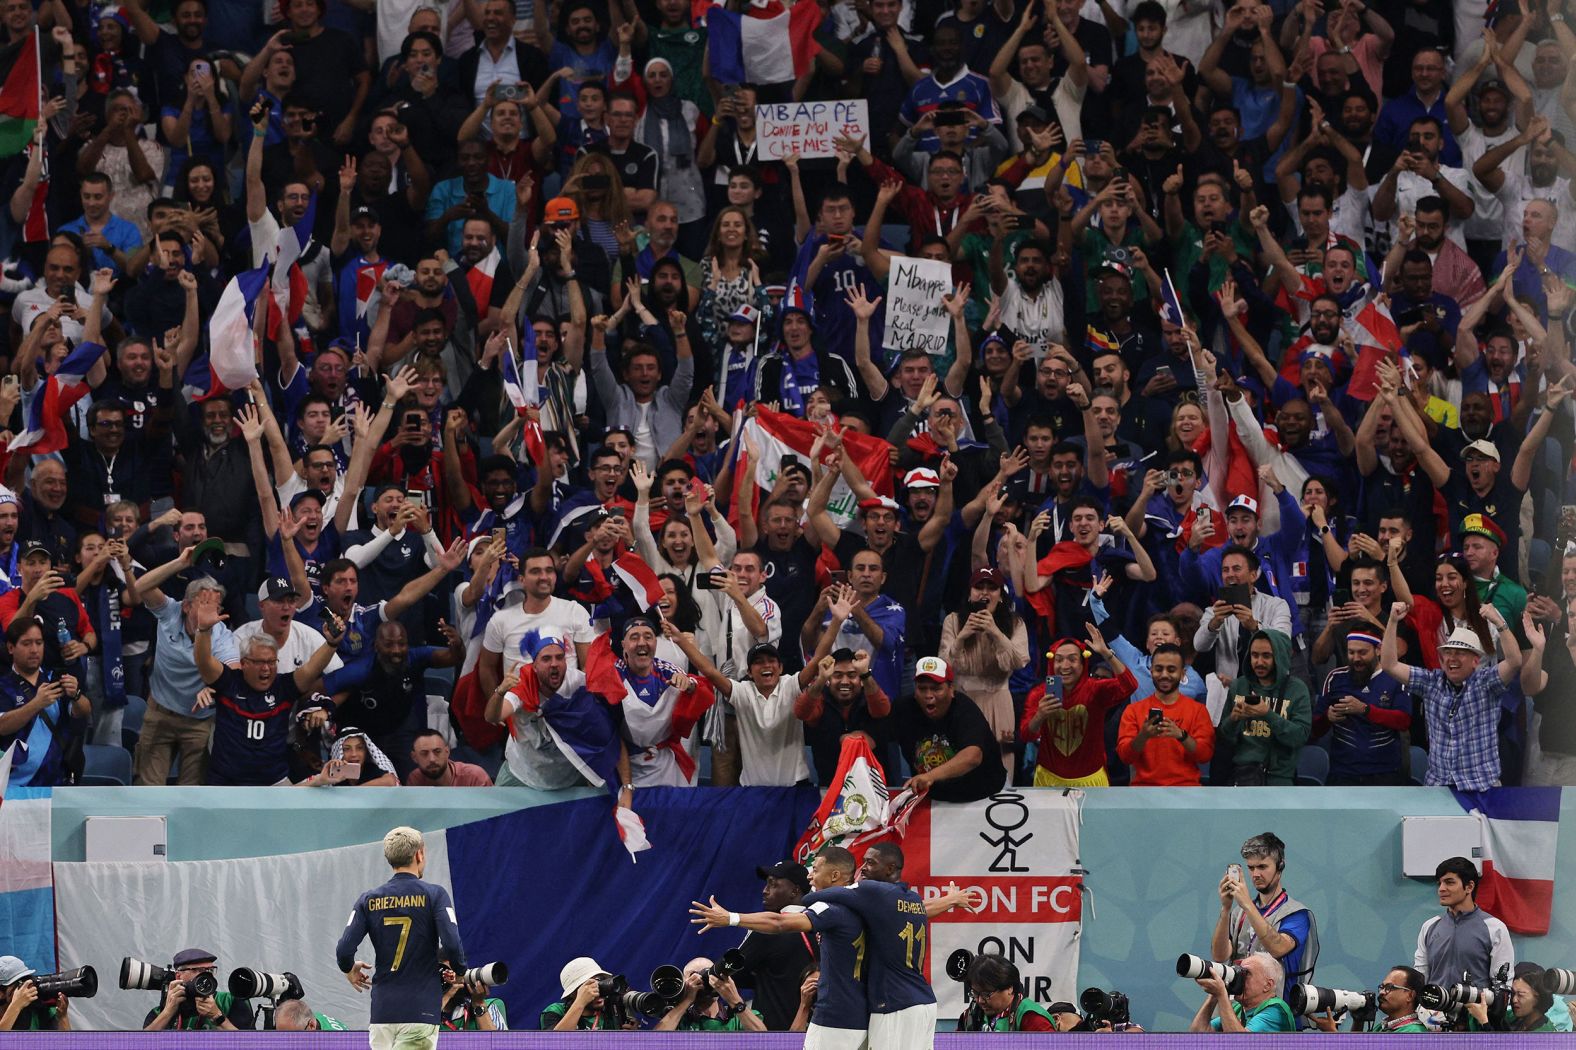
(1397, 1001)
(1267, 919)
(19, 1009)
(1255, 1009)
(996, 1005)
(178, 1010)
(467, 1008)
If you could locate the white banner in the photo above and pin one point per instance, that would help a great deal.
(916, 318)
(1021, 850)
(810, 129)
(256, 912)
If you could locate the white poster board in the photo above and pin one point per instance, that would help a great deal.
(916, 318)
(810, 129)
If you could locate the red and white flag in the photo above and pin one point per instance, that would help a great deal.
(1376, 336)
(778, 434)
(1521, 838)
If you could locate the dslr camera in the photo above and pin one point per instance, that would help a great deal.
(1193, 967)
(1559, 982)
(1101, 1007)
(1452, 999)
(81, 983)
(137, 975)
(246, 983)
(731, 962)
(667, 988)
(1306, 1000)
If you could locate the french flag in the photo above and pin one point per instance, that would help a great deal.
(1171, 305)
(199, 383)
(288, 282)
(767, 44)
(1521, 835)
(1374, 332)
(524, 392)
(639, 577)
(44, 421)
(232, 344)
(480, 279)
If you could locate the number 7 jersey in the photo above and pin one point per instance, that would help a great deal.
(412, 927)
(897, 936)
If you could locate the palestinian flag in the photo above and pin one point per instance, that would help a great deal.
(19, 79)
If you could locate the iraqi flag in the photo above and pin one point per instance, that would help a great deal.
(1376, 336)
(778, 434)
(232, 340)
(767, 44)
(20, 78)
(1521, 834)
(44, 420)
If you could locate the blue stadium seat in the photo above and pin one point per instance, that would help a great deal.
(1313, 767)
(131, 721)
(439, 681)
(1419, 765)
(106, 766)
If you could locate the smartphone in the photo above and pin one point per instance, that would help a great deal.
(1343, 595)
(350, 771)
(1237, 594)
(1235, 871)
(10, 382)
(1156, 715)
(950, 119)
(839, 576)
(203, 67)
(1016, 222)
(497, 535)
(416, 496)
(617, 512)
(1164, 370)
(836, 238)
(1222, 228)
(412, 420)
(1092, 146)
(708, 581)
(1407, 318)
(1053, 686)
(596, 182)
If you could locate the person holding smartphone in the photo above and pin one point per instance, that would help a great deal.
(1167, 737)
(1066, 714)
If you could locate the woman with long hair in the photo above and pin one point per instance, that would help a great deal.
(1187, 425)
(601, 203)
(730, 272)
(196, 122)
(985, 642)
(1454, 604)
(201, 186)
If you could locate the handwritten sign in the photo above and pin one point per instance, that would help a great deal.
(916, 318)
(810, 129)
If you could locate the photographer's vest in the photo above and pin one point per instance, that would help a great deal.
(1305, 956)
(1001, 1023)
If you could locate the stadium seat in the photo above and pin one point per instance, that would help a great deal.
(439, 681)
(106, 766)
(1313, 767)
(1419, 765)
(131, 721)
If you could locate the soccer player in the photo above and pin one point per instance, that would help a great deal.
(842, 1000)
(413, 929)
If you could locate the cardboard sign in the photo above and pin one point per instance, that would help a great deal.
(810, 129)
(916, 318)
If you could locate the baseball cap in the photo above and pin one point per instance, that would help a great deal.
(561, 209)
(277, 588)
(787, 869)
(922, 478)
(1482, 525)
(367, 212)
(192, 957)
(1463, 638)
(761, 651)
(986, 577)
(1034, 114)
(1247, 503)
(306, 494)
(577, 972)
(1482, 447)
(745, 314)
(32, 547)
(878, 502)
(1493, 84)
(934, 668)
(13, 969)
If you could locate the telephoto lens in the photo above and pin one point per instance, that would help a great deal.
(611, 987)
(247, 983)
(81, 983)
(1559, 982)
(668, 982)
(203, 985)
(1100, 1006)
(958, 964)
(1306, 1000)
(136, 975)
(648, 1003)
(492, 974)
(1195, 966)
(1453, 996)
(732, 962)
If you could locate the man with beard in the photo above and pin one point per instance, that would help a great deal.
(1137, 337)
(1502, 105)
(217, 479)
(1422, 171)
(1167, 736)
(107, 467)
(487, 277)
(660, 706)
(588, 50)
(297, 168)
(10, 549)
(156, 304)
(342, 586)
(787, 557)
(434, 768)
(1546, 157)
(384, 693)
(1368, 714)
(1436, 318)
(499, 57)
(170, 54)
(442, 475)
(394, 183)
(429, 292)
(472, 194)
(1032, 298)
(62, 270)
(358, 259)
(775, 964)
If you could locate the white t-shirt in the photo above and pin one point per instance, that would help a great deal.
(1488, 220)
(297, 650)
(1518, 191)
(732, 652)
(563, 617)
(771, 739)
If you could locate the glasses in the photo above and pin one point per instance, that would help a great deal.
(111, 424)
(1387, 988)
(1324, 313)
(256, 661)
(1056, 373)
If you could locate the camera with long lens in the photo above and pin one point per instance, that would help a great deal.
(137, 975)
(246, 983)
(1306, 1000)
(1559, 982)
(731, 962)
(491, 975)
(81, 983)
(958, 964)
(1101, 1007)
(646, 1004)
(668, 982)
(1452, 999)
(1193, 967)
(611, 986)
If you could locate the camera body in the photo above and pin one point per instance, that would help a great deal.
(1452, 999)
(137, 975)
(1102, 1007)
(1193, 967)
(509, 93)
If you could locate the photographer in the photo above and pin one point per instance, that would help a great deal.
(179, 1010)
(1268, 919)
(1530, 1004)
(710, 1006)
(19, 1009)
(294, 1015)
(582, 1008)
(467, 1008)
(1397, 1000)
(996, 1004)
(1255, 1009)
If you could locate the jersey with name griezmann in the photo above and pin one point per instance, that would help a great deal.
(897, 934)
(412, 927)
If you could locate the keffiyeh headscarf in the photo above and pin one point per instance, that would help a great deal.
(374, 752)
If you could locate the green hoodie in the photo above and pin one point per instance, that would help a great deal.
(1276, 738)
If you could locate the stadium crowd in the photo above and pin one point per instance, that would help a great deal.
(438, 393)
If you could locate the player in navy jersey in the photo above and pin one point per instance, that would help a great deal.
(413, 930)
(255, 704)
(843, 999)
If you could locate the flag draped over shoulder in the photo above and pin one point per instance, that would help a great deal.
(767, 44)
(19, 94)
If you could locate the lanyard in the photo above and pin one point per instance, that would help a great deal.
(1253, 938)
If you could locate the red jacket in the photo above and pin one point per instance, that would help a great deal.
(1072, 741)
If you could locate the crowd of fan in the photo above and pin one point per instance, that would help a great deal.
(1244, 461)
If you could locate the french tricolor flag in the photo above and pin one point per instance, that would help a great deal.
(1521, 835)
(232, 344)
(767, 44)
(520, 384)
(288, 282)
(44, 420)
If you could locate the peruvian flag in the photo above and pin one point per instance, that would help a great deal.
(1521, 834)
(770, 43)
(778, 434)
(1374, 332)
(44, 420)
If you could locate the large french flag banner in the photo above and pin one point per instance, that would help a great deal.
(232, 351)
(1521, 837)
(27, 905)
(778, 434)
(44, 419)
(768, 44)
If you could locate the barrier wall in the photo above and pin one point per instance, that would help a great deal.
(1154, 858)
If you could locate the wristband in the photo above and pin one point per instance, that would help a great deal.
(733, 918)
(1289, 84)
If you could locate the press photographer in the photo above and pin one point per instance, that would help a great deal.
(995, 1002)
(30, 1002)
(1242, 995)
(189, 998)
(1257, 914)
(466, 1005)
(1529, 1007)
(711, 1001)
(294, 1015)
(588, 994)
(1396, 1000)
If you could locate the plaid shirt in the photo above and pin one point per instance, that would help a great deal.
(1463, 721)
